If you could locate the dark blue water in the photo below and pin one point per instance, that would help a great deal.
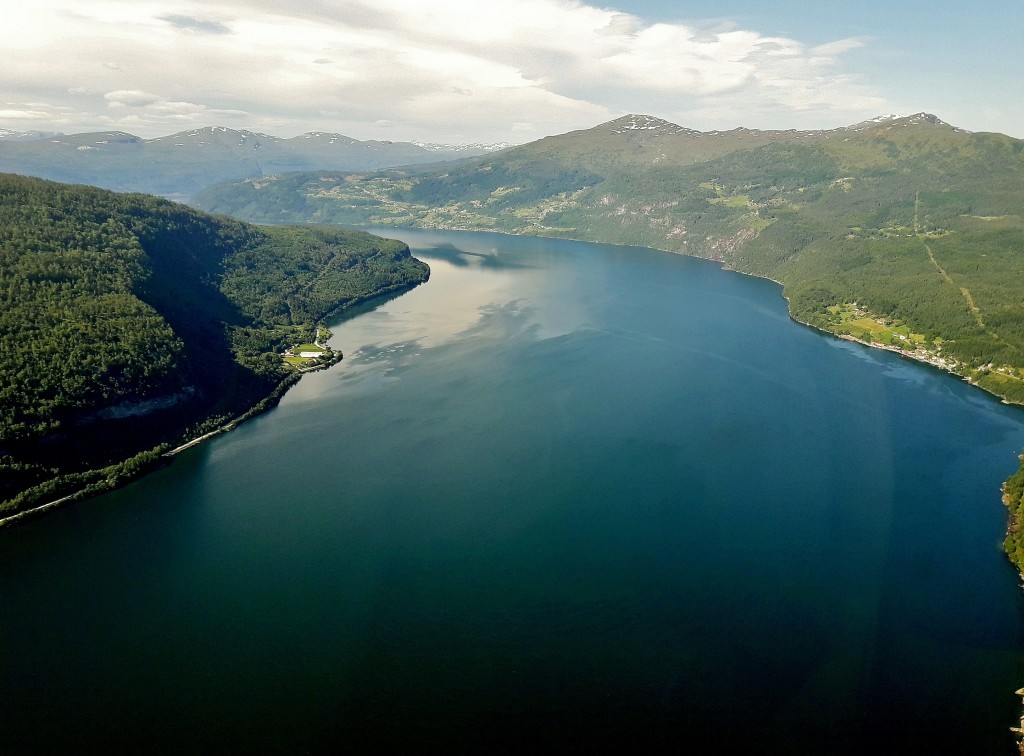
(562, 494)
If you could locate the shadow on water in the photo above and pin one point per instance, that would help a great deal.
(461, 258)
(367, 305)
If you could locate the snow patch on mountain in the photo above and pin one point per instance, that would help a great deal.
(893, 119)
(328, 137)
(635, 122)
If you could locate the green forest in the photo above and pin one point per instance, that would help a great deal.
(130, 323)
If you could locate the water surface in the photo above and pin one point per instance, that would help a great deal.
(561, 494)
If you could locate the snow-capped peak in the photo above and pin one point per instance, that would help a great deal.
(635, 122)
(892, 119)
(329, 137)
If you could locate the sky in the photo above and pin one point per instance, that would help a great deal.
(458, 71)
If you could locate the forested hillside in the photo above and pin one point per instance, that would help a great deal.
(129, 322)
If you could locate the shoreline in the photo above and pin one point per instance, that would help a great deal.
(933, 362)
(86, 492)
(936, 362)
(291, 379)
(162, 457)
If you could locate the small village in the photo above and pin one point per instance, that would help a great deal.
(853, 323)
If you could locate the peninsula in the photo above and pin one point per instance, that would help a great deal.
(132, 325)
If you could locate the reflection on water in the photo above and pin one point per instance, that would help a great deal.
(431, 314)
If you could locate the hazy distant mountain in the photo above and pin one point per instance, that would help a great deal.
(901, 230)
(26, 136)
(180, 164)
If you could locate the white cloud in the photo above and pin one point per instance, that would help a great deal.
(130, 98)
(194, 24)
(444, 70)
(20, 114)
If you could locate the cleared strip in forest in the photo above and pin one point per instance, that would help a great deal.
(974, 307)
(963, 290)
(975, 310)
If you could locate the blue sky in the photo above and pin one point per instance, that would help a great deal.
(506, 70)
(963, 61)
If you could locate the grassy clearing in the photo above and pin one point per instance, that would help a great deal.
(850, 319)
(736, 200)
(295, 359)
(999, 382)
(755, 220)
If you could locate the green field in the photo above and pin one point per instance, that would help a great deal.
(295, 359)
(849, 319)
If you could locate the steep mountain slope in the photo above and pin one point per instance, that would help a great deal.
(128, 322)
(179, 165)
(901, 230)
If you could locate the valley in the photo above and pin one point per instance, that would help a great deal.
(900, 232)
(911, 222)
(910, 217)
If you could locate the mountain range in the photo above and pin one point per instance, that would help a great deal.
(178, 165)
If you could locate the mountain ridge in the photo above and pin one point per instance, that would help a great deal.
(640, 122)
(34, 135)
(180, 164)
